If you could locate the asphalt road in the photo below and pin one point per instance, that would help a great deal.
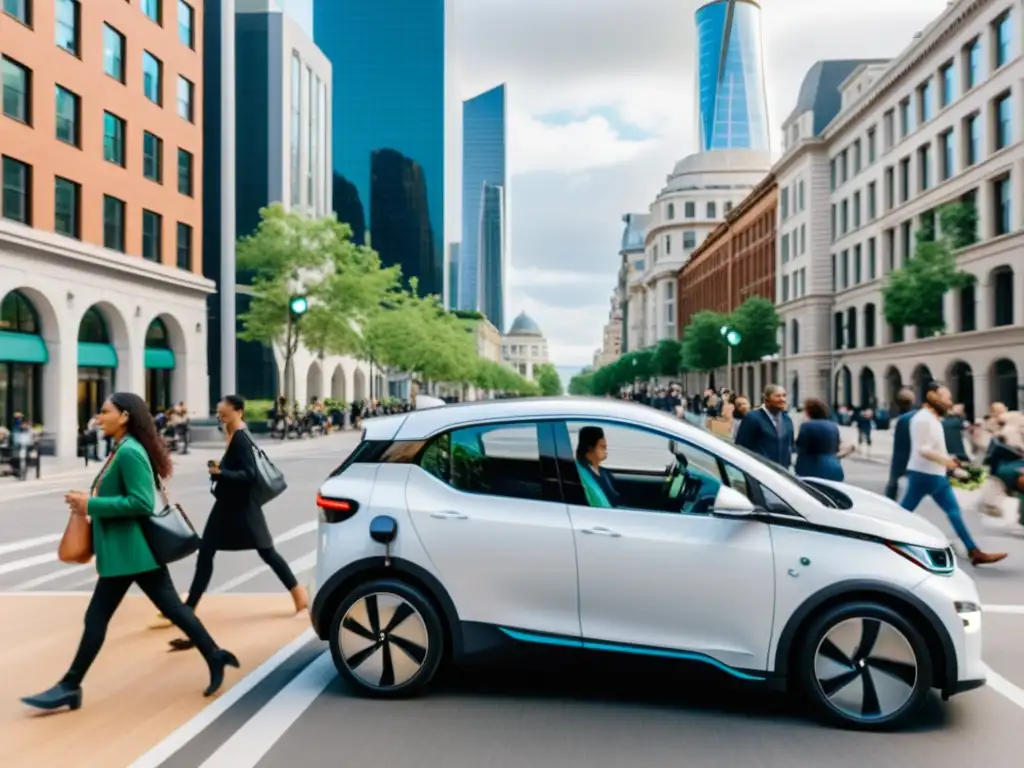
(597, 712)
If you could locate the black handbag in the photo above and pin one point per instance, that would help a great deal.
(270, 482)
(168, 531)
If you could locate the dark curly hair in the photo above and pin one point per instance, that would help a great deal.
(142, 427)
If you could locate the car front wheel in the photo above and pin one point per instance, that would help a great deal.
(864, 666)
(386, 639)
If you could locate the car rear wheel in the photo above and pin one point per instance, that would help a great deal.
(864, 666)
(386, 639)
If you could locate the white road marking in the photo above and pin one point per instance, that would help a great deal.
(250, 743)
(1017, 609)
(28, 562)
(18, 546)
(303, 563)
(187, 732)
(47, 578)
(1006, 689)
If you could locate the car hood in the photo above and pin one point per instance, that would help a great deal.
(875, 515)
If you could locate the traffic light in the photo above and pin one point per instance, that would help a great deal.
(298, 306)
(732, 338)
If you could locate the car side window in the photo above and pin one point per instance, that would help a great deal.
(501, 460)
(637, 469)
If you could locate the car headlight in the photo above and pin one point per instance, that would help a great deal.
(941, 562)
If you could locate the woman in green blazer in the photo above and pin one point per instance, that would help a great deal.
(123, 493)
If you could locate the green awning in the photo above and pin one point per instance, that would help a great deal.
(96, 355)
(22, 348)
(162, 359)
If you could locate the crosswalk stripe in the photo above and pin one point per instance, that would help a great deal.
(28, 562)
(38, 581)
(18, 546)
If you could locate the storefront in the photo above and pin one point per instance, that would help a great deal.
(97, 365)
(23, 354)
(159, 363)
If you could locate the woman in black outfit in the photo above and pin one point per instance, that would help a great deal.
(236, 521)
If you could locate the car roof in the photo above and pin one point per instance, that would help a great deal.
(419, 425)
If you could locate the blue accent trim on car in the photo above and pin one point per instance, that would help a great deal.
(663, 653)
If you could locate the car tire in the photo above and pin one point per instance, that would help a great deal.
(386, 639)
(863, 666)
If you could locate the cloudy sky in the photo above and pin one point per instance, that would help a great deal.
(601, 101)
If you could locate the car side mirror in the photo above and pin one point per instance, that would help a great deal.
(731, 503)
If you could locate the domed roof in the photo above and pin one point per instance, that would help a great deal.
(524, 325)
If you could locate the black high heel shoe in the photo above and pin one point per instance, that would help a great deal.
(60, 695)
(218, 662)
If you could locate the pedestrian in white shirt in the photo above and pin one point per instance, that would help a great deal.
(929, 464)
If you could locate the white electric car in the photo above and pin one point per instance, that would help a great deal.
(459, 530)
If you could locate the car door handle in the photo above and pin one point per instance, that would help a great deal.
(449, 514)
(600, 530)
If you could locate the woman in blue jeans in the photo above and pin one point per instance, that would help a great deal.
(928, 464)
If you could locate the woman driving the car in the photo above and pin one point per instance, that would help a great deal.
(591, 451)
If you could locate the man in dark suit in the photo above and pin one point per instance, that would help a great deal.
(768, 431)
(905, 406)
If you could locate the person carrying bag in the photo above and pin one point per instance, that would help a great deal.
(118, 513)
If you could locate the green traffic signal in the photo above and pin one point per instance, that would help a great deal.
(298, 305)
(732, 338)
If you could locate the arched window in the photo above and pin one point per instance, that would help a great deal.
(156, 335)
(93, 328)
(17, 314)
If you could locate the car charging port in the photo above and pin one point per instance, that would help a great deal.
(384, 530)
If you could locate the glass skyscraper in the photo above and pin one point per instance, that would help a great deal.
(733, 104)
(481, 275)
(389, 86)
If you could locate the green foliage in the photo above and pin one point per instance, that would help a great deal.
(667, 359)
(356, 306)
(704, 347)
(582, 383)
(548, 380)
(913, 294)
(758, 325)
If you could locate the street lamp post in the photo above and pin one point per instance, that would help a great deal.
(732, 338)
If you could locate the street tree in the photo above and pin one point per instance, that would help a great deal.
(913, 294)
(704, 347)
(582, 383)
(668, 358)
(495, 377)
(548, 380)
(287, 256)
(757, 322)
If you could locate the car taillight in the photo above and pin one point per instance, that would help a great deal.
(335, 510)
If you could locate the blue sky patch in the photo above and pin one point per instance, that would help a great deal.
(626, 131)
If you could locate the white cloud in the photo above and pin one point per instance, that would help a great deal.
(571, 183)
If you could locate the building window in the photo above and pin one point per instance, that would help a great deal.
(670, 303)
(784, 248)
(872, 259)
(113, 53)
(856, 210)
(152, 235)
(924, 101)
(906, 241)
(20, 10)
(890, 188)
(668, 244)
(690, 210)
(17, 202)
(856, 157)
(803, 239)
(834, 221)
(113, 139)
(844, 267)
(857, 276)
(152, 157)
(842, 167)
(784, 203)
(835, 275)
(727, 207)
(66, 207)
(785, 287)
(689, 240)
(113, 223)
(68, 107)
(186, 24)
(153, 9)
(1003, 206)
(1003, 114)
(712, 211)
(948, 159)
(947, 76)
(184, 249)
(68, 18)
(152, 78)
(185, 183)
(906, 119)
(904, 179)
(296, 130)
(186, 98)
(972, 64)
(872, 201)
(924, 166)
(889, 126)
(972, 139)
(800, 195)
(844, 217)
(872, 145)
(1003, 35)
(17, 91)
(670, 211)
(833, 176)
